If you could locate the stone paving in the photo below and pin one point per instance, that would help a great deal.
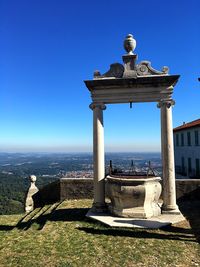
(151, 223)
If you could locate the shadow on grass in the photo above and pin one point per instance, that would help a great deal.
(40, 219)
(190, 209)
(138, 233)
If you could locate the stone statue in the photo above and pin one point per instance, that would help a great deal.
(29, 204)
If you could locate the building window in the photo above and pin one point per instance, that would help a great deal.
(189, 166)
(183, 165)
(197, 168)
(196, 135)
(177, 139)
(188, 139)
(182, 139)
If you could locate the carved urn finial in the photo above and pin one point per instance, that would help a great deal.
(129, 44)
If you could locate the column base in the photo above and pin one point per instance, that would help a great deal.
(99, 207)
(170, 210)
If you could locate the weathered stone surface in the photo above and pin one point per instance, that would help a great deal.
(129, 44)
(64, 188)
(142, 89)
(48, 194)
(130, 68)
(76, 188)
(151, 223)
(134, 197)
(98, 157)
(116, 70)
(167, 148)
(188, 188)
(144, 68)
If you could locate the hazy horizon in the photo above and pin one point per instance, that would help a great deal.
(69, 152)
(76, 152)
(79, 149)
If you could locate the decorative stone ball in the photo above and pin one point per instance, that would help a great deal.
(129, 44)
(33, 178)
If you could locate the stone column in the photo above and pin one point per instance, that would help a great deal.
(98, 157)
(167, 147)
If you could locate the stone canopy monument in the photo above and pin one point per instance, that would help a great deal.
(133, 82)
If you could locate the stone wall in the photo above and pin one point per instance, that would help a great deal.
(48, 194)
(79, 188)
(76, 188)
(64, 188)
(188, 188)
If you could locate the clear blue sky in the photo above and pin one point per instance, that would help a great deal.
(47, 49)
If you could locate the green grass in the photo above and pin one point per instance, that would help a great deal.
(60, 235)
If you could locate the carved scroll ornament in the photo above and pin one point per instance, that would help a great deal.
(144, 68)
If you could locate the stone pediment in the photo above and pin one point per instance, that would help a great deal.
(144, 68)
(130, 69)
(131, 81)
(117, 70)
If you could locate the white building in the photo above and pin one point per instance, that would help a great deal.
(187, 149)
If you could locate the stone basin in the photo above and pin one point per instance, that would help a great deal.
(134, 196)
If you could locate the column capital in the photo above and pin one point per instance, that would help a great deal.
(101, 106)
(168, 103)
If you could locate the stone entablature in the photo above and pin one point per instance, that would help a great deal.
(142, 89)
(131, 82)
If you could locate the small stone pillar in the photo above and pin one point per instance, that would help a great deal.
(129, 59)
(98, 157)
(29, 204)
(169, 185)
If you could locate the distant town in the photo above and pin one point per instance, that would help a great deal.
(73, 165)
(15, 169)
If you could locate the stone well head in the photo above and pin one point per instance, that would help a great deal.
(133, 197)
(134, 194)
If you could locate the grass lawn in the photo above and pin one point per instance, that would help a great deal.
(60, 235)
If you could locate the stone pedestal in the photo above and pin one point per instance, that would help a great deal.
(134, 197)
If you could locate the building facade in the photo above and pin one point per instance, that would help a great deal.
(187, 150)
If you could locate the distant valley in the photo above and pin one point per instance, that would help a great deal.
(15, 169)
